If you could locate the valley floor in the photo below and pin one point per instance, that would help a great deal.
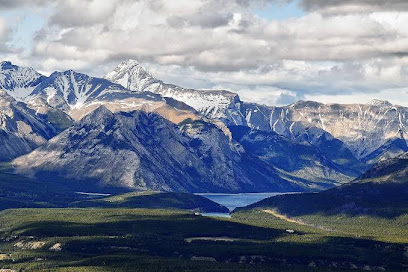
(121, 239)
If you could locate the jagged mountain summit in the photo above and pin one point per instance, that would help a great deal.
(77, 94)
(139, 150)
(133, 76)
(368, 133)
(17, 81)
(219, 104)
(21, 129)
(71, 90)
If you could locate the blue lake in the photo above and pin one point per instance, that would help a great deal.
(232, 201)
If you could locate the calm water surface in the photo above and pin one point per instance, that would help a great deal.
(232, 201)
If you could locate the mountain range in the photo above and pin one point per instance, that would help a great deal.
(133, 131)
(371, 132)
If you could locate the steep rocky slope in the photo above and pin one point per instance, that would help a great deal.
(78, 94)
(343, 133)
(299, 159)
(366, 129)
(139, 150)
(21, 130)
(324, 144)
(275, 119)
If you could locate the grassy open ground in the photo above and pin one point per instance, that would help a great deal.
(121, 239)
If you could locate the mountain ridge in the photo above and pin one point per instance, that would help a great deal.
(117, 149)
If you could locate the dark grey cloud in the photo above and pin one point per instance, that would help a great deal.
(361, 5)
(12, 4)
(76, 13)
(206, 20)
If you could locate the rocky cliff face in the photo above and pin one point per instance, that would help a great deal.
(21, 130)
(302, 160)
(139, 150)
(71, 90)
(78, 94)
(367, 130)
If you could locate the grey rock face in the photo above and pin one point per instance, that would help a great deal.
(139, 150)
(78, 94)
(282, 121)
(367, 130)
(302, 160)
(21, 130)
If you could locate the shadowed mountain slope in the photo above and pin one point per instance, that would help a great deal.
(139, 151)
(382, 191)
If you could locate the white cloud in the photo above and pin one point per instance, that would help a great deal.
(359, 50)
(4, 29)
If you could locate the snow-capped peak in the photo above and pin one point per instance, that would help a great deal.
(218, 104)
(70, 89)
(17, 81)
(131, 75)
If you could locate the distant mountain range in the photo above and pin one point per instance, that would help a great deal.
(371, 132)
(133, 131)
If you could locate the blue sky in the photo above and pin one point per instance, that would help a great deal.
(280, 11)
(27, 23)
